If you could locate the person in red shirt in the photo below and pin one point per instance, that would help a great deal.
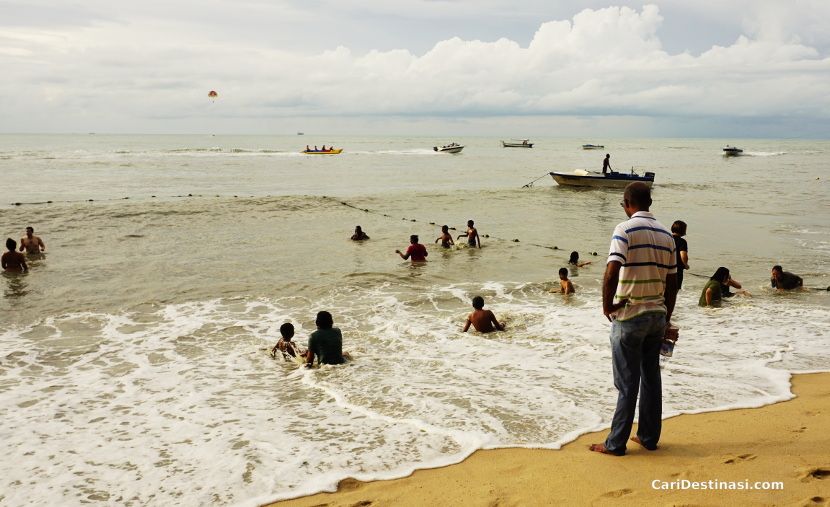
(416, 251)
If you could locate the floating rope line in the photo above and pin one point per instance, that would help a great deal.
(109, 199)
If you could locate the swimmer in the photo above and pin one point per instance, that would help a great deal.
(574, 260)
(784, 280)
(565, 285)
(416, 251)
(482, 320)
(32, 244)
(359, 235)
(712, 294)
(471, 235)
(288, 348)
(445, 238)
(13, 261)
(326, 343)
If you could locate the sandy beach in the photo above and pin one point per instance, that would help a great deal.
(785, 443)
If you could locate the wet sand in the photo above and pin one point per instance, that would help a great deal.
(787, 442)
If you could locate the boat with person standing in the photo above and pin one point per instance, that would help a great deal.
(732, 151)
(583, 178)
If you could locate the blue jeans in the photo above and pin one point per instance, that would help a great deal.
(635, 356)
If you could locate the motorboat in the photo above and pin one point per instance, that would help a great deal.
(731, 151)
(517, 143)
(583, 178)
(593, 147)
(449, 148)
(330, 151)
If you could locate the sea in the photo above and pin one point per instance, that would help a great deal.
(134, 356)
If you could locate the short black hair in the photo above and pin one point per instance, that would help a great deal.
(563, 271)
(478, 302)
(11, 244)
(30, 228)
(679, 227)
(287, 330)
(413, 239)
(777, 267)
(445, 228)
(574, 257)
(324, 320)
(638, 194)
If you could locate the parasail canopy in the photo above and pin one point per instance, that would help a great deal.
(212, 95)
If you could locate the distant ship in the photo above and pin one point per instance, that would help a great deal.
(300, 133)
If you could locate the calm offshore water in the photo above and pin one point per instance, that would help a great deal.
(131, 361)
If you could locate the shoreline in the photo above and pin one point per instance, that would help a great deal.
(783, 442)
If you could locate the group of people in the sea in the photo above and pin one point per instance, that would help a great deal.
(12, 260)
(643, 274)
(330, 148)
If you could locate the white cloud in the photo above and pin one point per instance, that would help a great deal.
(149, 71)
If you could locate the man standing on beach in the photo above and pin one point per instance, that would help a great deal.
(641, 276)
(31, 243)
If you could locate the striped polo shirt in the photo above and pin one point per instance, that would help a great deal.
(646, 250)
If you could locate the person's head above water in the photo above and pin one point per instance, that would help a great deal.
(413, 239)
(29, 231)
(574, 258)
(777, 269)
(563, 273)
(445, 228)
(357, 229)
(721, 275)
(287, 331)
(11, 244)
(470, 223)
(478, 302)
(679, 227)
(324, 320)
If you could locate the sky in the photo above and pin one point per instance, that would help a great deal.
(672, 68)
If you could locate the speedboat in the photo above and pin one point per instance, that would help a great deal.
(592, 147)
(731, 151)
(517, 143)
(583, 178)
(449, 148)
(330, 151)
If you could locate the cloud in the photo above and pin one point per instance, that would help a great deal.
(602, 62)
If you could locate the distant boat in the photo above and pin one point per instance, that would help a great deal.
(731, 151)
(300, 133)
(592, 147)
(323, 152)
(517, 143)
(583, 178)
(449, 148)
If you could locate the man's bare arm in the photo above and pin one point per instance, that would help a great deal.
(609, 289)
(467, 325)
(495, 322)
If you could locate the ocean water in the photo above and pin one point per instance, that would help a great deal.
(133, 367)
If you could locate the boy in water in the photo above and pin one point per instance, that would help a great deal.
(471, 235)
(445, 238)
(13, 261)
(565, 285)
(32, 244)
(483, 320)
(288, 348)
(416, 251)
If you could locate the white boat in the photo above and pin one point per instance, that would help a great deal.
(583, 178)
(731, 151)
(449, 148)
(517, 143)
